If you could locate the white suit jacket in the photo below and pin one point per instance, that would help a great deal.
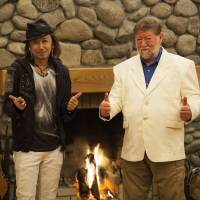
(152, 115)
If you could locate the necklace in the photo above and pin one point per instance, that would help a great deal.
(41, 70)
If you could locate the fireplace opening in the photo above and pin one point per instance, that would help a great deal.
(84, 132)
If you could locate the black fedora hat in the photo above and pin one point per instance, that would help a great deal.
(37, 30)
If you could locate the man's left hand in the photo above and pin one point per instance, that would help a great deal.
(185, 112)
(73, 102)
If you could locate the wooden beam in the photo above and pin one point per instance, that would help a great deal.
(84, 79)
(91, 79)
(3, 77)
(97, 79)
(198, 73)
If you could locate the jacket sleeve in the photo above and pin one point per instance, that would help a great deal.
(67, 116)
(115, 96)
(12, 88)
(190, 89)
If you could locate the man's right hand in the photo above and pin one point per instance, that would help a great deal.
(19, 102)
(105, 107)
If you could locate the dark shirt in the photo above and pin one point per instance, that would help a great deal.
(150, 69)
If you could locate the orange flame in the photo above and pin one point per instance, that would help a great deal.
(92, 172)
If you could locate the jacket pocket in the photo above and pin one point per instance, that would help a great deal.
(174, 124)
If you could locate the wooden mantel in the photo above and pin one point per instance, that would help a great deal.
(85, 79)
(96, 79)
(91, 79)
(198, 72)
(3, 77)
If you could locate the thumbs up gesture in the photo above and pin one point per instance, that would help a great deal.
(105, 107)
(73, 102)
(19, 102)
(185, 112)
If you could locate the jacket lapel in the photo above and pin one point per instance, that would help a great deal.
(27, 65)
(137, 73)
(160, 72)
(58, 82)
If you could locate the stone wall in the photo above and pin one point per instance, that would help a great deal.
(100, 32)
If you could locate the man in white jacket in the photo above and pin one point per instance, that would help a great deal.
(157, 93)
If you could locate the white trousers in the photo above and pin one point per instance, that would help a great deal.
(37, 174)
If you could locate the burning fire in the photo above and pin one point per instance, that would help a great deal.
(98, 188)
(92, 166)
(91, 172)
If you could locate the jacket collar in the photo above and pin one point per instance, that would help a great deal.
(159, 74)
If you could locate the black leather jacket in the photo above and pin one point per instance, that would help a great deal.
(23, 122)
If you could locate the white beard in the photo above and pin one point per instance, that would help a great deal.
(148, 55)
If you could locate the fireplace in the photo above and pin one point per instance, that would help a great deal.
(84, 133)
(87, 130)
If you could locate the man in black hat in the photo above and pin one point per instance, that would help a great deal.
(40, 102)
